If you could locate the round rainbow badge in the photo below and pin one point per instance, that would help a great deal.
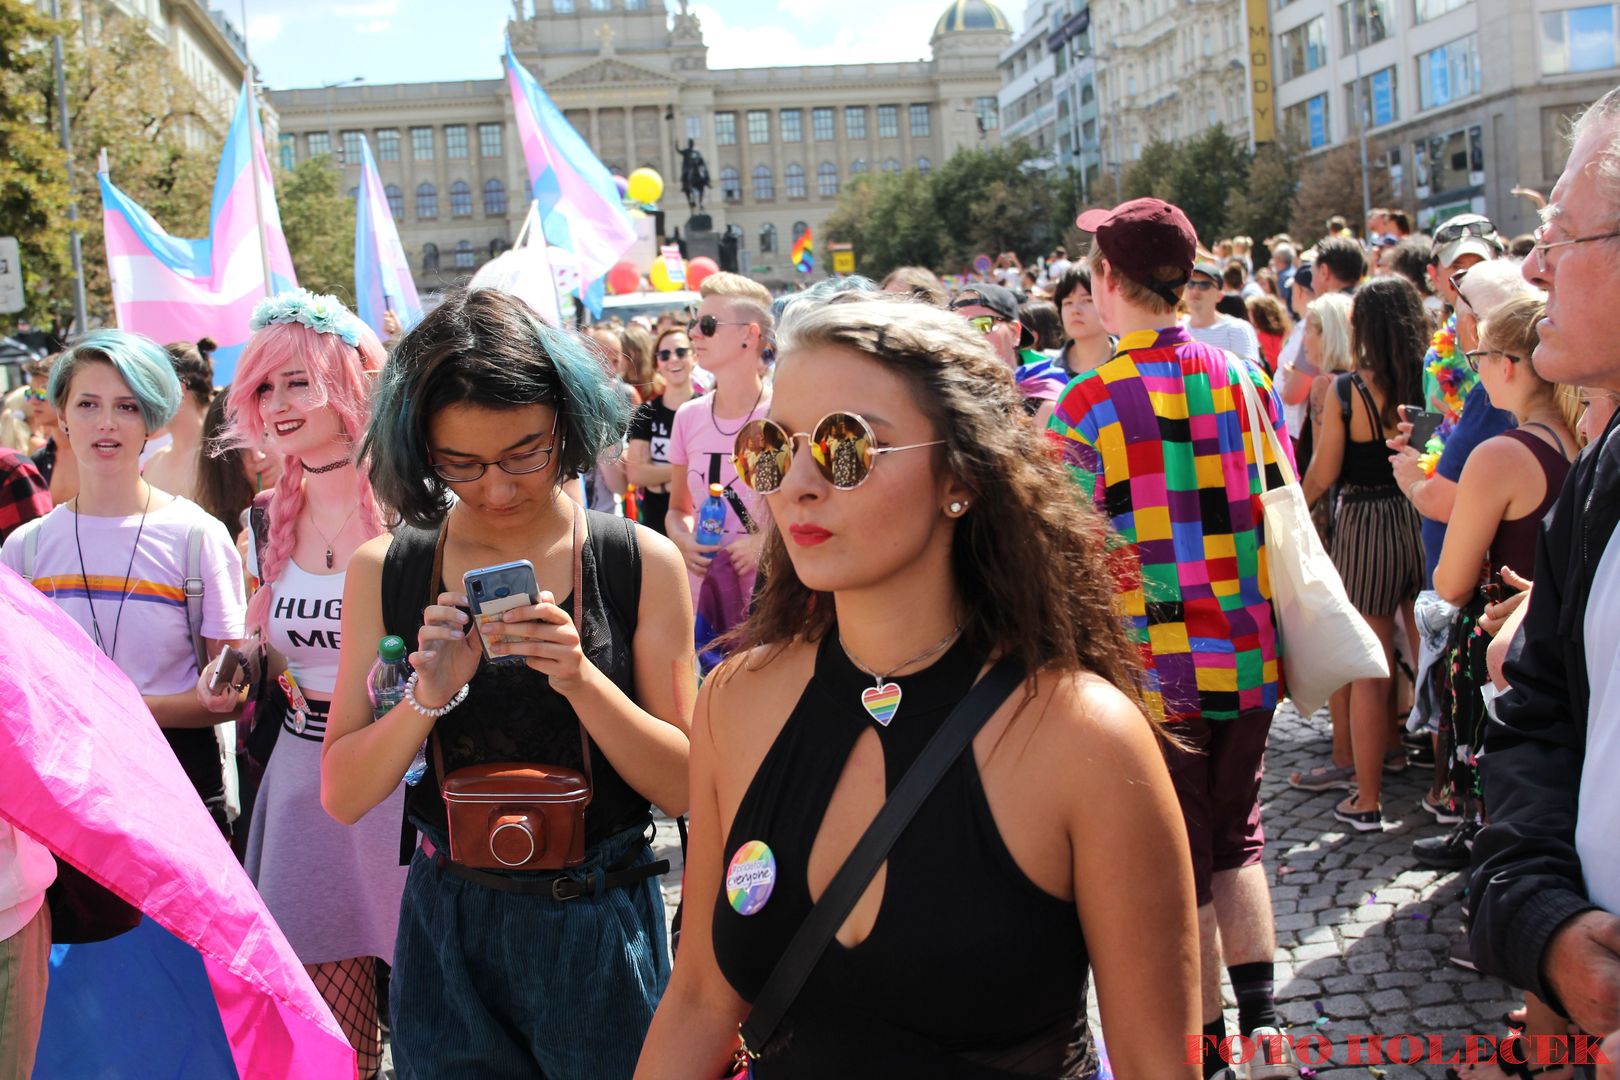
(751, 877)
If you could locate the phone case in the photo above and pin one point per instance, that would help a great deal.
(494, 590)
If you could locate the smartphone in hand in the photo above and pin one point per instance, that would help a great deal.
(1423, 423)
(494, 590)
(225, 670)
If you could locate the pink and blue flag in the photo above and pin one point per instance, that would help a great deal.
(172, 289)
(85, 771)
(580, 207)
(382, 273)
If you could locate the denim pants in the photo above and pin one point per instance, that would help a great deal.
(490, 984)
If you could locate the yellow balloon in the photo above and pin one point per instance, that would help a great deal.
(646, 186)
(659, 276)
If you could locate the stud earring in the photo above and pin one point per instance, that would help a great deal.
(958, 508)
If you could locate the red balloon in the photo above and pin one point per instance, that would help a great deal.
(698, 269)
(623, 278)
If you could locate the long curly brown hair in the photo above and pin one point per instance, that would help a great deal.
(1028, 558)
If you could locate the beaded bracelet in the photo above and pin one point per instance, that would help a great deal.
(434, 714)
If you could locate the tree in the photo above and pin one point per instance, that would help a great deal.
(1207, 170)
(1153, 174)
(1265, 205)
(318, 219)
(1330, 183)
(34, 192)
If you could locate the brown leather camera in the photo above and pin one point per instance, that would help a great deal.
(506, 816)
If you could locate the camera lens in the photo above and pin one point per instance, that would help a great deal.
(503, 591)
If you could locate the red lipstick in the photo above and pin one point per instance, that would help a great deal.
(808, 535)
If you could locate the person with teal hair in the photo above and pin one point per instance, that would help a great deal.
(530, 971)
(119, 556)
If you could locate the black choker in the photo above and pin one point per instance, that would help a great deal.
(318, 470)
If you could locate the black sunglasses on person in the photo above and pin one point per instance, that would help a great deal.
(665, 355)
(706, 324)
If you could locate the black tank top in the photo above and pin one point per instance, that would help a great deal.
(971, 970)
(1365, 464)
(511, 712)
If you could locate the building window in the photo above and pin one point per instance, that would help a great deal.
(923, 165)
(494, 198)
(289, 151)
(794, 178)
(1449, 72)
(464, 255)
(764, 184)
(725, 128)
(988, 112)
(759, 126)
(888, 121)
(422, 144)
(890, 166)
(827, 180)
(489, 140)
(694, 128)
(821, 125)
(498, 246)
(388, 144)
(1302, 49)
(320, 142)
(919, 121)
(455, 140)
(1307, 121)
(430, 258)
(792, 125)
(855, 121)
(1424, 10)
(351, 147)
(730, 185)
(1363, 23)
(396, 201)
(427, 201)
(767, 239)
(1578, 39)
(857, 166)
(460, 199)
(1374, 99)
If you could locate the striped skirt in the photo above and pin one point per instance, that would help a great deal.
(1378, 548)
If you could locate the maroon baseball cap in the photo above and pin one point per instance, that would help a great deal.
(1140, 236)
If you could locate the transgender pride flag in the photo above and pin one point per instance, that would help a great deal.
(382, 274)
(580, 207)
(180, 290)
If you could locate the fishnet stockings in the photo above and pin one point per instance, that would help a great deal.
(349, 988)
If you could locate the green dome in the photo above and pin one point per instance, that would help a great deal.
(971, 15)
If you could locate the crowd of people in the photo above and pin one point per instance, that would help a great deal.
(1023, 542)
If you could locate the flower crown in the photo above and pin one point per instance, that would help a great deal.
(321, 313)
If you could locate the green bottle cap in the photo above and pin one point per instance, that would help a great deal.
(391, 649)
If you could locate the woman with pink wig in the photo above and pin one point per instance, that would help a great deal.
(302, 390)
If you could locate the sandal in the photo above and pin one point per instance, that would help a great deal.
(1359, 820)
(1395, 761)
(1325, 778)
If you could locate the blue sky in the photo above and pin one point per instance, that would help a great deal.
(299, 43)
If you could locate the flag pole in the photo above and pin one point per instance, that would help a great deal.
(103, 169)
(255, 144)
(533, 222)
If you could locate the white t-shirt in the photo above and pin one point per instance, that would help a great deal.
(145, 630)
(26, 871)
(1231, 334)
(1599, 805)
(1293, 348)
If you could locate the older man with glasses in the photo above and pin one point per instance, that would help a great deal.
(1546, 869)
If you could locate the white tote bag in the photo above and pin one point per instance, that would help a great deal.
(1325, 641)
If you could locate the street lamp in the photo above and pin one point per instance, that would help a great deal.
(330, 134)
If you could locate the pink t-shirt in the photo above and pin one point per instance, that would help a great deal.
(704, 449)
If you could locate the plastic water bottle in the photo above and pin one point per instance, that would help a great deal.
(711, 524)
(385, 686)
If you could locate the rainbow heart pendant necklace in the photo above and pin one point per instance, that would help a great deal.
(881, 700)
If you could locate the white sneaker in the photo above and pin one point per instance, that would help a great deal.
(1273, 1056)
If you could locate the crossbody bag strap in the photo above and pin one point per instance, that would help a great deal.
(846, 887)
(195, 590)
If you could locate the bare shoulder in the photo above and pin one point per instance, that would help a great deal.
(366, 563)
(659, 551)
(751, 694)
(1080, 719)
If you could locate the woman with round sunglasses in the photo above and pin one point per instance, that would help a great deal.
(522, 972)
(646, 460)
(731, 339)
(913, 540)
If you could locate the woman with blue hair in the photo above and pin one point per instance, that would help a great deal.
(539, 961)
(118, 556)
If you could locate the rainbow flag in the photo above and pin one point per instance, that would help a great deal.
(382, 273)
(172, 289)
(580, 207)
(804, 253)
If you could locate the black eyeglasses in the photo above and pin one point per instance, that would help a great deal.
(520, 464)
(1473, 357)
(705, 325)
(665, 355)
(1451, 232)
